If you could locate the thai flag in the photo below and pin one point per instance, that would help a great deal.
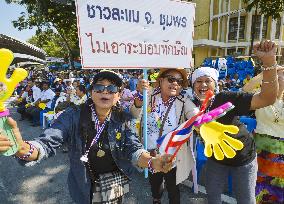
(171, 142)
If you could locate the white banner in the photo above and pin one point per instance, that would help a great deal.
(135, 33)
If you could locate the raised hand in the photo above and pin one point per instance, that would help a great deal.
(266, 52)
(217, 141)
(8, 85)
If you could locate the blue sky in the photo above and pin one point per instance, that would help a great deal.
(8, 13)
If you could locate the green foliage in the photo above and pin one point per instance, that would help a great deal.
(51, 43)
(53, 19)
(267, 7)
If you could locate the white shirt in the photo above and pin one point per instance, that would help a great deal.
(189, 93)
(77, 100)
(36, 93)
(61, 99)
(47, 94)
(70, 88)
(71, 75)
(265, 120)
(158, 115)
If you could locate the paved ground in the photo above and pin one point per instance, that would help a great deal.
(46, 182)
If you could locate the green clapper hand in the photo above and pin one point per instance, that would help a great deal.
(7, 87)
(213, 134)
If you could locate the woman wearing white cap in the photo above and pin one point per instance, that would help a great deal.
(168, 108)
(243, 167)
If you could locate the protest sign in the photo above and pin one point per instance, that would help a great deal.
(135, 34)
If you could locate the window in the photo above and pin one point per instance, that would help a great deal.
(233, 28)
(256, 22)
(232, 51)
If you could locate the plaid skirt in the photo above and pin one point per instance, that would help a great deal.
(270, 177)
(110, 187)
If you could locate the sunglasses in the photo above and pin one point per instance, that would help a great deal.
(99, 88)
(172, 79)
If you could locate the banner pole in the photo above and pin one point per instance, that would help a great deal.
(145, 103)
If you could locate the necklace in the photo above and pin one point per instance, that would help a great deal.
(277, 112)
(156, 110)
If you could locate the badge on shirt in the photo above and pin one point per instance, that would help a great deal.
(118, 136)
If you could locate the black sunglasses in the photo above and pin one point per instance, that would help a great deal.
(99, 88)
(172, 79)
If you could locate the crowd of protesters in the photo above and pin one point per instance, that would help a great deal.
(60, 89)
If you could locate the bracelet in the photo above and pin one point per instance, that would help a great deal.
(150, 167)
(268, 82)
(269, 68)
(32, 148)
(138, 96)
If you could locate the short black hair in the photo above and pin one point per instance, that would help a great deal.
(45, 82)
(82, 88)
(57, 89)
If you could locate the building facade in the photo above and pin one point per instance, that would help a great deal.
(223, 27)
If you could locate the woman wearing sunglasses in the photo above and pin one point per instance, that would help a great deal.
(103, 151)
(168, 107)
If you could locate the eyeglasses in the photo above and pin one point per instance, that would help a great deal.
(99, 88)
(172, 79)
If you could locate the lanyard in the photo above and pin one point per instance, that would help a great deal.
(99, 129)
(158, 114)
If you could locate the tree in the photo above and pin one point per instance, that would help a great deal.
(50, 42)
(267, 7)
(49, 16)
(271, 8)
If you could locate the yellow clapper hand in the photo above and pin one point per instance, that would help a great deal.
(7, 86)
(214, 136)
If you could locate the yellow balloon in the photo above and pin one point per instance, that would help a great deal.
(219, 143)
(7, 86)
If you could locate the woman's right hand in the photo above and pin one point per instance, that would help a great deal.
(5, 143)
(24, 147)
